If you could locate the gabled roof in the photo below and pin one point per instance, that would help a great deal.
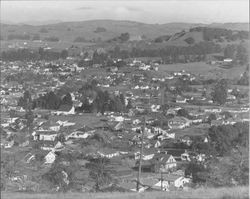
(46, 132)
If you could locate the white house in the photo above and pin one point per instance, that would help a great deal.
(79, 135)
(45, 135)
(65, 111)
(50, 158)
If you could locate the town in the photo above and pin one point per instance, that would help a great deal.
(91, 119)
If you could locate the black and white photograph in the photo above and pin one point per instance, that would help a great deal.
(115, 99)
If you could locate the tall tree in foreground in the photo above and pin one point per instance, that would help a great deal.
(100, 171)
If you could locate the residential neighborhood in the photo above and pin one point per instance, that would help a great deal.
(122, 106)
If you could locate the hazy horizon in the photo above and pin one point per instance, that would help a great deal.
(150, 12)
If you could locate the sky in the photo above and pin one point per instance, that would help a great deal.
(146, 11)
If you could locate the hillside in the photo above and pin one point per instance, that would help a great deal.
(210, 193)
(69, 31)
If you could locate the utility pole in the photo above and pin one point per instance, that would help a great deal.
(161, 181)
(141, 149)
(141, 154)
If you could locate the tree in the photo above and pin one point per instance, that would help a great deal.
(242, 54)
(124, 37)
(230, 51)
(29, 116)
(195, 170)
(129, 105)
(64, 54)
(67, 100)
(211, 117)
(226, 114)
(183, 113)
(219, 93)
(25, 100)
(100, 171)
(58, 176)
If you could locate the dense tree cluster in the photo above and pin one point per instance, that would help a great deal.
(52, 101)
(171, 54)
(210, 34)
(94, 99)
(219, 93)
(122, 38)
(227, 137)
(100, 29)
(19, 37)
(51, 38)
(43, 30)
(189, 40)
(163, 38)
(31, 55)
(227, 156)
(36, 37)
(80, 39)
(237, 52)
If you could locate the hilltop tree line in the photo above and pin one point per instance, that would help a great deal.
(210, 34)
(170, 54)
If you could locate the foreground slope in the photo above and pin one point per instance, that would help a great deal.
(206, 193)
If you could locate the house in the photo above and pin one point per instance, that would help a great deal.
(79, 135)
(161, 185)
(155, 108)
(45, 135)
(185, 156)
(227, 61)
(119, 126)
(213, 110)
(157, 144)
(178, 123)
(144, 157)
(180, 99)
(52, 146)
(65, 110)
(158, 163)
(108, 153)
(177, 181)
(167, 162)
(9, 144)
(50, 158)
(186, 139)
(200, 157)
(65, 123)
(29, 157)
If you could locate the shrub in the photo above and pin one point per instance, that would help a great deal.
(189, 40)
(100, 29)
(52, 39)
(43, 30)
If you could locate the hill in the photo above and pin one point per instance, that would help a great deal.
(69, 31)
(209, 193)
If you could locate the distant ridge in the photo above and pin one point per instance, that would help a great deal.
(229, 25)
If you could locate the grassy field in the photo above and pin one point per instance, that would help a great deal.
(207, 70)
(210, 193)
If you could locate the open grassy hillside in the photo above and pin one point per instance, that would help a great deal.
(209, 193)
